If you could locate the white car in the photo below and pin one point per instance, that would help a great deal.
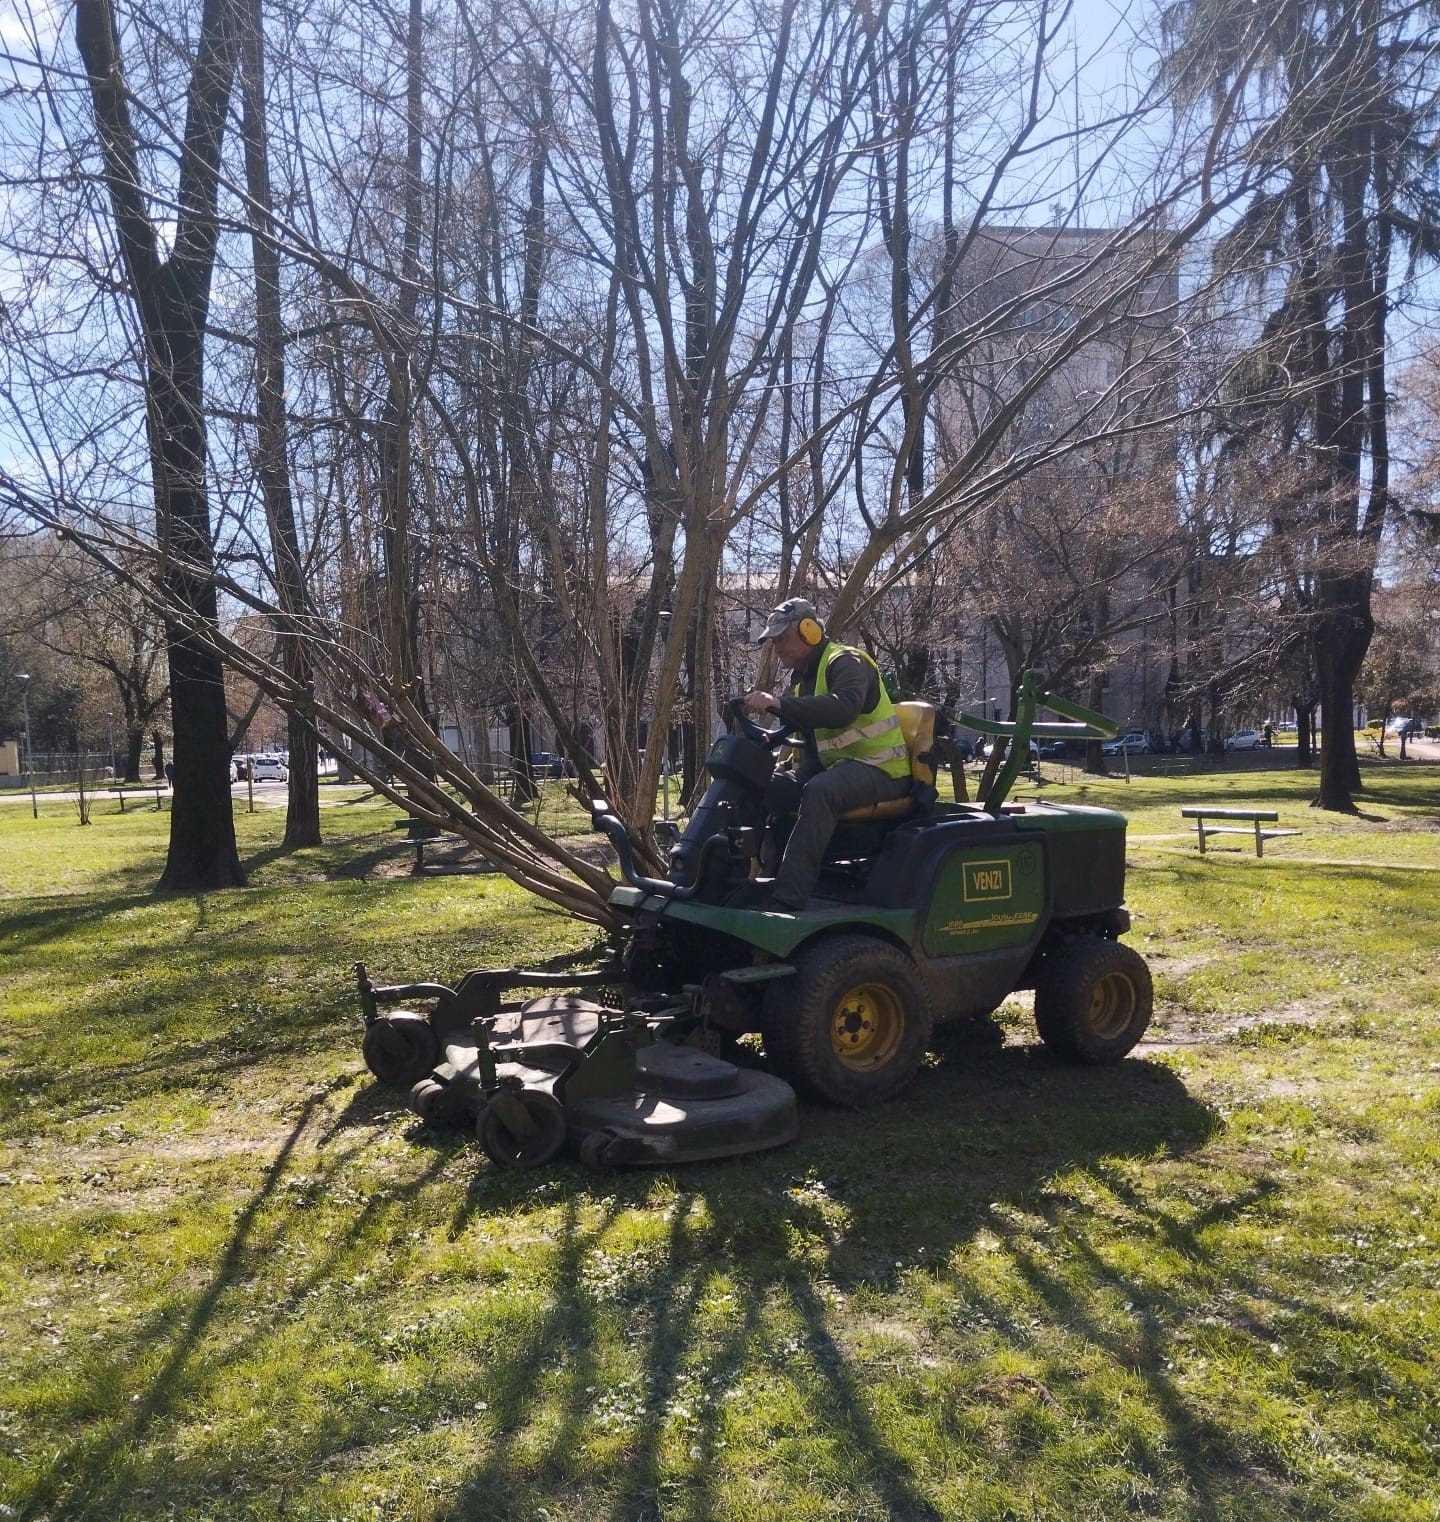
(1244, 739)
(1033, 749)
(1137, 742)
(269, 769)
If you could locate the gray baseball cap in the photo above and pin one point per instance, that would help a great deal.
(787, 616)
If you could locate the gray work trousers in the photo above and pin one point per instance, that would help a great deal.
(827, 795)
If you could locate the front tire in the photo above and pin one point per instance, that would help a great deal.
(852, 1025)
(1094, 1000)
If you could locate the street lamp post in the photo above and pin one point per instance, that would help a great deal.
(23, 677)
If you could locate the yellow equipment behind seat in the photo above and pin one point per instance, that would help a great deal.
(917, 724)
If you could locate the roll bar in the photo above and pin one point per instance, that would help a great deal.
(1032, 695)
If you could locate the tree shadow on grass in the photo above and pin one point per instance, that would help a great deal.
(60, 919)
(190, 1001)
(909, 1205)
(75, 1088)
(917, 1183)
(103, 1471)
(727, 1292)
(1408, 799)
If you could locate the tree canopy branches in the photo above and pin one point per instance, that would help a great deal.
(507, 360)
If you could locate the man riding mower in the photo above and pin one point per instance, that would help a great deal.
(855, 753)
(920, 912)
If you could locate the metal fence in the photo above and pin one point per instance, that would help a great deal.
(62, 769)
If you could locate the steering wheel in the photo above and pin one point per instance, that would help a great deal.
(771, 738)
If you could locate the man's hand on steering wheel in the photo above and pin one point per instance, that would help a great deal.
(759, 701)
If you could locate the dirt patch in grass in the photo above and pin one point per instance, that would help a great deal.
(348, 1112)
(1175, 966)
(1177, 1026)
(1411, 824)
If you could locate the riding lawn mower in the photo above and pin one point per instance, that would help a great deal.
(926, 912)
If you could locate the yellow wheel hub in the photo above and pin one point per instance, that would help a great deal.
(867, 1025)
(1112, 1005)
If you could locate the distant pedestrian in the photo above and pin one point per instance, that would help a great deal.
(1268, 735)
(170, 773)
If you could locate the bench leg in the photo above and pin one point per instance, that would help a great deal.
(1259, 840)
(1200, 831)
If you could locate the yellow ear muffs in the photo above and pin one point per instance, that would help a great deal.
(810, 631)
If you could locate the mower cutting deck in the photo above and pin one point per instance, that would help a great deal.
(534, 1075)
(936, 915)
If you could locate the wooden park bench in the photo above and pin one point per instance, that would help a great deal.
(123, 790)
(420, 833)
(1255, 819)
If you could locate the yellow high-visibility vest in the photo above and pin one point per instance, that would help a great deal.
(874, 737)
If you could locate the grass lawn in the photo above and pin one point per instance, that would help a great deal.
(239, 1281)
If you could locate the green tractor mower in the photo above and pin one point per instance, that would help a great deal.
(926, 912)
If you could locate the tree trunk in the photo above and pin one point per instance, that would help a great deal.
(1340, 640)
(1094, 754)
(202, 850)
(302, 814)
(1304, 733)
(394, 441)
(172, 298)
(517, 725)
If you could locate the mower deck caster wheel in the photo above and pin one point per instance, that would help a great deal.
(522, 1129)
(400, 1048)
(439, 1104)
(595, 1150)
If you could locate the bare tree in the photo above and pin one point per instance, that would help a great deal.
(1345, 168)
(272, 462)
(577, 304)
(171, 294)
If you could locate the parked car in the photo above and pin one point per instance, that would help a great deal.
(269, 769)
(1136, 741)
(237, 765)
(982, 749)
(1402, 724)
(544, 763)
(1244, 739)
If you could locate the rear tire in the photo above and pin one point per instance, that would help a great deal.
(852, 1025)
(1094, 1000)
